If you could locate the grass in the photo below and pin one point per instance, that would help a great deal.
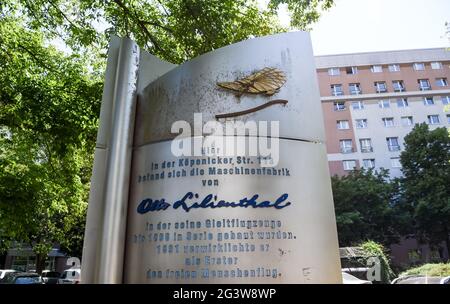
(432, 270)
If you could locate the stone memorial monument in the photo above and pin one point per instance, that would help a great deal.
(214, 171)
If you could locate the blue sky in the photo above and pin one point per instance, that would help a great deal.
(377, 25)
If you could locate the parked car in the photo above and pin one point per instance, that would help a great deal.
(70, 276)
(50, 277)
(3, 273)
(22, 278)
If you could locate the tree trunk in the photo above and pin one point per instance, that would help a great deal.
(40, 263)
(447, 243)
(2, 261)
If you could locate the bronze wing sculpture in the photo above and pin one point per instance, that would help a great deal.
(267, 81)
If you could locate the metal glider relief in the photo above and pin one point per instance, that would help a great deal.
(267, 81)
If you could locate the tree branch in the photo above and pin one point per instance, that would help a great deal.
(36, 58)
(163, 7)
(62, 14)
(139, 22)
(159, 25)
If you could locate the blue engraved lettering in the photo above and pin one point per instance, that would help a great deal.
(210, 201)
(152, 205)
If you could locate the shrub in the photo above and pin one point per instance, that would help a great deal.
(373, 249)
(432, 270)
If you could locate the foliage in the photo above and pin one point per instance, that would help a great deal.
(363, 205)
(49, 104)
(303, 13)
(426, 170)
(370, 206)
(373, 249)
(5, 243)
(432, 270)
(174, 30)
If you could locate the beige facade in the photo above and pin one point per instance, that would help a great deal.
(374, 100)
(371, 101)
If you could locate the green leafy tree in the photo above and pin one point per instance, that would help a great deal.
(426, 170)
(363, 203)
(49, 104)
(174, 30)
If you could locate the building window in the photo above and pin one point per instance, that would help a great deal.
(436, 65)
(402, 103)
(336, 90)
(343, 125)
(407, 121)
(445, 100)
(395, 162)
(398, 86)
(346, 145)
(357, 105)
(349, 165)
(388, 121)
(352, 70)
(384, 104)
(369, 163)
(394, 68)
(392, 143)
(428, 101)
(376, 69)
(334, 72)
(366, 145)
(419, 66)
(433, 119)
(380, 87)
(441, 82)
(361, 123)
(339, 106)
(424, 84)
(354, 88)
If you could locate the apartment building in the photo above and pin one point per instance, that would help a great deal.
(371, 101)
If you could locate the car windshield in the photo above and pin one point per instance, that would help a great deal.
(28, 280)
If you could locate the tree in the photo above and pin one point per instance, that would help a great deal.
(363, 202)
(49, 104)
(426, 176)
(174, 30)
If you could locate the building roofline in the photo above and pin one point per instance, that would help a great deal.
(383, 57)
(379, 52)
